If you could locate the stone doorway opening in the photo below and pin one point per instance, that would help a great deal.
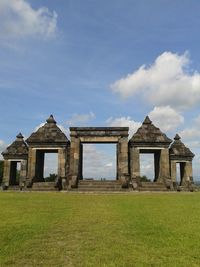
(15, 168)
(180, 170)
(46, 167)
(99, 162)
(50, 167)
(97, 135)
(147, 168)
(149, 165)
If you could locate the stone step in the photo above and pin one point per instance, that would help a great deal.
(42, 189)
(182, 188)
(99, 182)
(100, 186)
(14, 187)
(151, 184)
(153, 189)
(43, 184)
(95, 185)
(97, 189)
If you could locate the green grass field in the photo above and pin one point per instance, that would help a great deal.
(60, 229)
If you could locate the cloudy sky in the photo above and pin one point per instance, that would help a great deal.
(101, 63)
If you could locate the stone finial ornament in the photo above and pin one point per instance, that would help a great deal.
(51, 119)
(177, 137)
(147, 120)
(20, 136)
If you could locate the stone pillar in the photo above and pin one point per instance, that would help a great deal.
(6, 173)
(67, 161)
(74, 161)
(31, 165)
(189, 170)
(61, 179)
(123, 159)
(187, 173)
(134, 162)
(164, 165)
(61, 162)
(23, 172)
(173, 170)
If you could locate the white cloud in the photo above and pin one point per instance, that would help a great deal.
(124, 122)
(197, 121)
(189, 134)
(194, 144)
(110, 164)
(166, 118)
(190, 137)
(80, 119)
(168, 81)
(98, 162)
(2, 148)
(19, 19)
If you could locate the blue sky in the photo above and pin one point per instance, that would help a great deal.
(101, 63)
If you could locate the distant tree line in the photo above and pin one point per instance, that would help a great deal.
(51, 177)
(144, 178)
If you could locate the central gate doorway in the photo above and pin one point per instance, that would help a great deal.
(99, 162)
(98, 135)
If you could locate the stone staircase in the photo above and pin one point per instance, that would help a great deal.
(99, 186)
(43, 186)
(14, 187)
(152, 186)
(182, 188)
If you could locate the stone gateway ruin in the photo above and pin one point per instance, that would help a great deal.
(24, 159)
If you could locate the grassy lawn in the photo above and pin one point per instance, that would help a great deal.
(58, 229)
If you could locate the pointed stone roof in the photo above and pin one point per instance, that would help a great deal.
(149, 135)
(17, 150)
(147, 120)
(48, 134)
(179, 151)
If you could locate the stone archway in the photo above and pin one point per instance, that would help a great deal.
(180, 154)
(80, 135)
(150, 139)
(47, 139)
(16, 153)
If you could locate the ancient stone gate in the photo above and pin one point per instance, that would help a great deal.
(50, 138)
(81, 135)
